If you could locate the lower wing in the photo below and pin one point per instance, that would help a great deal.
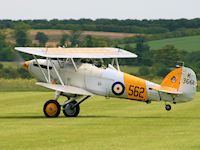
(65, 88)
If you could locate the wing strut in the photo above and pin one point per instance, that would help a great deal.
(48, 76)
(48, 71)
(115, 60)
(74, 64)
(60, 79)
(117, 63)
(41, 69)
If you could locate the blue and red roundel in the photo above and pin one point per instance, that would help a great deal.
(118, 88)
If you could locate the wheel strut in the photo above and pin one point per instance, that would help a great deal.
(80, 101)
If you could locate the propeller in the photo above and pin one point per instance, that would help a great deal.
(20, 61)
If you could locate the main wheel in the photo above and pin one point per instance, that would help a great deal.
(51, 109)
(168, 107)
(69, 111)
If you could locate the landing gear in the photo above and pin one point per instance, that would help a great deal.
(51, 109)
(71, 109)
(168, 107)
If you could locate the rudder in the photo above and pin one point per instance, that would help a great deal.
(182, 79)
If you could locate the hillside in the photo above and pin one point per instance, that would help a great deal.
(188, 43)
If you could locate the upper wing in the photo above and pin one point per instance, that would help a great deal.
(77, 52)
(166, 89)
(65, 89)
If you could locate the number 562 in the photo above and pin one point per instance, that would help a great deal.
(136, 91)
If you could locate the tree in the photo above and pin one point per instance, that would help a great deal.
(75, 38)
(141, 46)
(21, 34)
(42, 38)
(168, 56)
(143, 51)
(23, 73)
(89, 41)
(64, 39)
(144, 71)
(160, 70)
(1, 66)
(6, 49)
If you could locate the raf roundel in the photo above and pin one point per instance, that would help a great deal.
(118, 88)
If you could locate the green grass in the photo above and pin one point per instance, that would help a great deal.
(19, 85)
(7, 64)
(102, 124)
(189, 43)
(129, 69)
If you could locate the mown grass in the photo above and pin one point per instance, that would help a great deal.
(102, 124)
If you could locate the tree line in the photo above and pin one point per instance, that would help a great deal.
(111, 25)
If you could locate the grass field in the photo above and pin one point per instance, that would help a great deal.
(189, 43)
(8, 64)
(102, 124)
(15, 85)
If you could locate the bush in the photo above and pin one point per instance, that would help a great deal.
(144, 71)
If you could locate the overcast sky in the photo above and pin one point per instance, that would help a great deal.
(120, 9)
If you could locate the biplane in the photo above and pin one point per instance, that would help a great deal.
(79, 73)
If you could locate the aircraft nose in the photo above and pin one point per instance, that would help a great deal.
(25, 65)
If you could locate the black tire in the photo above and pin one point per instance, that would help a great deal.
(51, 109)
(168, 107)
(68, 111)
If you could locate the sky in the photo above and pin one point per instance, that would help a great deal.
(93, 9)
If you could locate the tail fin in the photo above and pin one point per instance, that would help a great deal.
(182, 79)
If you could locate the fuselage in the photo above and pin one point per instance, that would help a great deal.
(107, 82)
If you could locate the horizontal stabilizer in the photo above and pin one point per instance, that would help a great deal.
(65, 88)
(167, 90)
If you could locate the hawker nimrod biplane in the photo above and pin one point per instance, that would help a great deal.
(73, 73)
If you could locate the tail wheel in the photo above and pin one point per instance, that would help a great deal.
(168, 107)
(70, 111)
(51, 109)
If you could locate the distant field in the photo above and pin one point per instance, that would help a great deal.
(103, 124)
(59, 33)
(190, 43)
(55, 35)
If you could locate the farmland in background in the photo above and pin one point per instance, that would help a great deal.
(188, 43)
